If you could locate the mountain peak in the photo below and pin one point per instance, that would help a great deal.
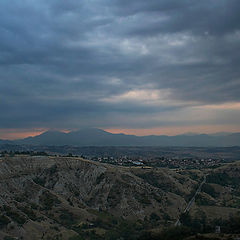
(99, 137)
(90, 132)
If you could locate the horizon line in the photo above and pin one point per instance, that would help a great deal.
(117, 131)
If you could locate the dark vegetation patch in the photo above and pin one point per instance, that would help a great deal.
(67, 219)
(29, 212)
(40, 181)
(207, 188)
(14, 215)
(204, 201)
(4, 220)
(100, 178)
(222, 178)
(48, 200)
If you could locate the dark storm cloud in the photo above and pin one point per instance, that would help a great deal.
(68, 64)
(216, 17)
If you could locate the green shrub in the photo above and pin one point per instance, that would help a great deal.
(48, 200)
(29, 212)
(16, 217)
(8, 238)
(207, 188)
(40, 181)
(99, 178)
(3, 220)
(67, 218)
(175, 233)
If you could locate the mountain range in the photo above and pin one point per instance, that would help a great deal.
(99, 137)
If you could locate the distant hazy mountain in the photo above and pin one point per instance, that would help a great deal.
(220, 134)
(5, 142)
(46, 138)
(98, 137)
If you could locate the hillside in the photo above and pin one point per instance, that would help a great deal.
(46, 197)
(220, 196)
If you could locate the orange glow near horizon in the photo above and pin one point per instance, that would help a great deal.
(224, 106)
(171, 131)
(13, 134)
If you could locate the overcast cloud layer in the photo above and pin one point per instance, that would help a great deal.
(119, 64)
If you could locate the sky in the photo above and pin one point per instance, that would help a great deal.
(138, 67)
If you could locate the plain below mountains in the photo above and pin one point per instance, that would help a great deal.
(99, 137)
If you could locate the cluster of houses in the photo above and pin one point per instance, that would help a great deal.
(177, 162)
(174, 162)
(122, 161)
